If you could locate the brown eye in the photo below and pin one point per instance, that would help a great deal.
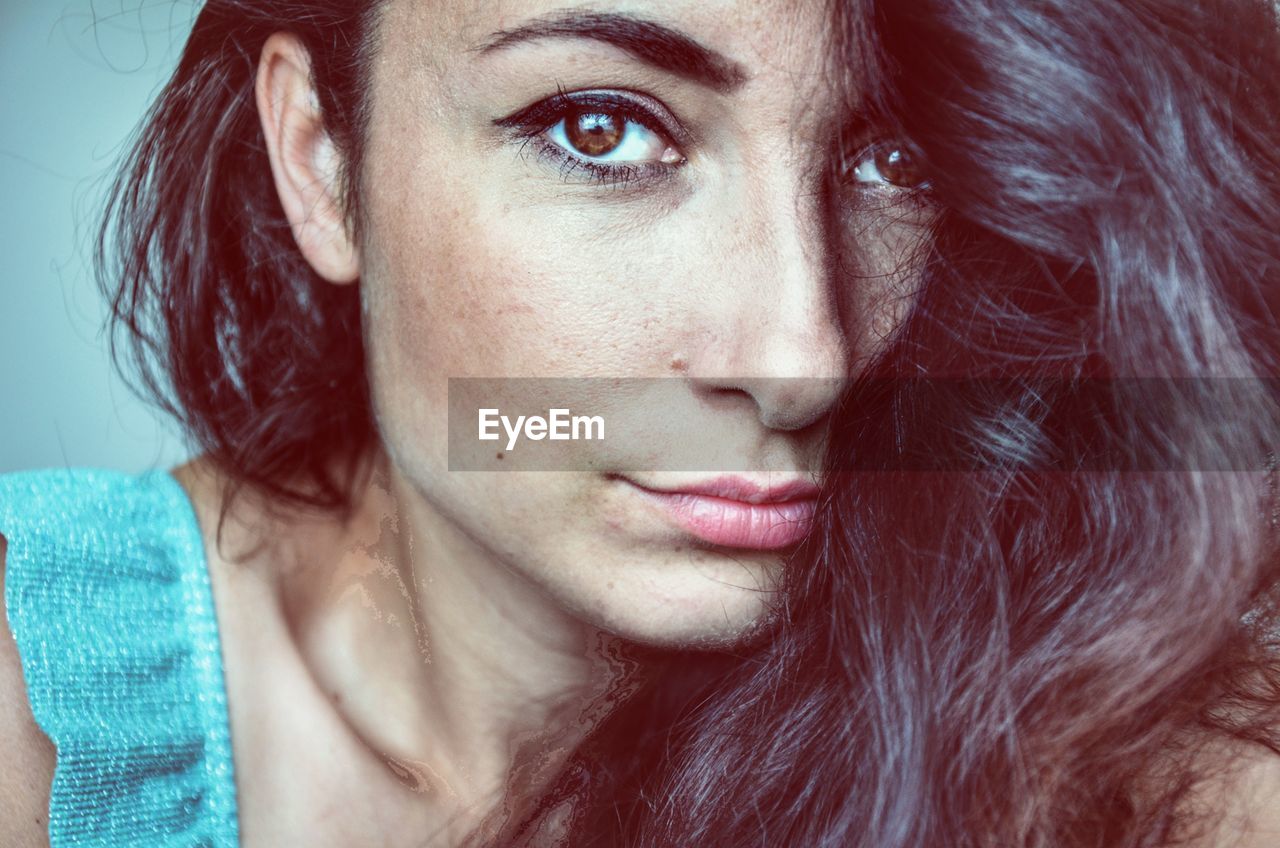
(892, 165)
(601, 135)
(898, 167)
(595, 133)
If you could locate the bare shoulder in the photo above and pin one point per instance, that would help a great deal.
(28, 754)
(1241, 801)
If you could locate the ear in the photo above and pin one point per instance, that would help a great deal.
(304, 162)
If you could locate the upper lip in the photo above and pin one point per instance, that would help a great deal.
(744, 490)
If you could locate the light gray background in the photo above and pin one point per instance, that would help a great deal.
(75, 78)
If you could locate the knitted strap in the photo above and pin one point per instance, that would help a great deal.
(108, 597)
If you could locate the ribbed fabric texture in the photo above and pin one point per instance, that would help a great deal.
(108, 597)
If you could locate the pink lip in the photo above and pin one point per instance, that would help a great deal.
(736, 513)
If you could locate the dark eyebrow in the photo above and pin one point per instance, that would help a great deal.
(649, 41)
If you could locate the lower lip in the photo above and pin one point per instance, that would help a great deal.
(735, 524)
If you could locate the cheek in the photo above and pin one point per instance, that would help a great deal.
(464, 283)
(461, 279)
(881, 256)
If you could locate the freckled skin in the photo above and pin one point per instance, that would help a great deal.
(480, 263)
(464, 625)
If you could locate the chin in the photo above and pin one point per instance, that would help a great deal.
(694, 613)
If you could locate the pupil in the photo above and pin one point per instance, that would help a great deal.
(897, 167)
(595, 133)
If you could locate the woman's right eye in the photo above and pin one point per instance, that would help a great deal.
(610, 136)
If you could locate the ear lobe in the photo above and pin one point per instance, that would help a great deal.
(305, 165)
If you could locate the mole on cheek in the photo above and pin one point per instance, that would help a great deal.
(679, 364)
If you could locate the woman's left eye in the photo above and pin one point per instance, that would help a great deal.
(607, 137)
(888, 165)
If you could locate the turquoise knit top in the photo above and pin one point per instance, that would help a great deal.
(108, 596)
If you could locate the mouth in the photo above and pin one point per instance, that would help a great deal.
(735, 512)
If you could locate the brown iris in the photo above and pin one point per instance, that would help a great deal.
(595, 133)
(898, 167)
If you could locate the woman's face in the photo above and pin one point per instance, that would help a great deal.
(615, 190)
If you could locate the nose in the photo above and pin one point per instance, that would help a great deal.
(778, 343)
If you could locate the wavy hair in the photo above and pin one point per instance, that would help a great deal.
(992, 638)
(1045, 604)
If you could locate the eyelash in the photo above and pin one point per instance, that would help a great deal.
(532, 124)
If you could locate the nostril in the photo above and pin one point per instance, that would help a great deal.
(796, 403)
(726, 396)
(778, 403)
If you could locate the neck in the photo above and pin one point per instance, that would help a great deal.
(455, 671)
